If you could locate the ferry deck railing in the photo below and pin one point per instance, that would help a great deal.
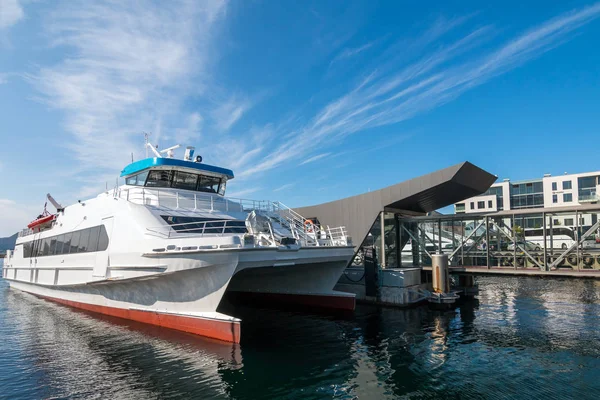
(301, 229)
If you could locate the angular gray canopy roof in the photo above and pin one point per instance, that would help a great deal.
(415, 197)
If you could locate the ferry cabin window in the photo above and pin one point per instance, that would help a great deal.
(184, 180)
(82, 241)
(159, 178)
(73, 248)
(93, 242)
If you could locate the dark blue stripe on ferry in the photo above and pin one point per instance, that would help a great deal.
(146, 163)
(201, 225)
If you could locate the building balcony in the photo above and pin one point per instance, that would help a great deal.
(588, 197)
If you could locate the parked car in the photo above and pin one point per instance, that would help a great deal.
(528, 246)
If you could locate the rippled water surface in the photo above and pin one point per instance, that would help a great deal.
(522, 338)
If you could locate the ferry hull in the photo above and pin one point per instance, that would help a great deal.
(186, 296)
(184, 300)
(227, 331)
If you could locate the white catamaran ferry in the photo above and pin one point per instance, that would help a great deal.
(167, 245)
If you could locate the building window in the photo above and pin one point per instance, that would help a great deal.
(554, 186)
(556, 222)
(472, 205)
(567, 197)
(489, 204)
(460, 208)
(555, 198)
(581, 221)
(480, 205)
(567, 185)
(569, 221)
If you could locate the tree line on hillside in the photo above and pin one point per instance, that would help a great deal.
(8, 243)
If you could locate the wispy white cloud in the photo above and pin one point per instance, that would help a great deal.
(352, 51)
(315, 158)
(3, 78)
(439, 76)
(129, 67)
(241, 193)
(11, 12)
(284, 187)
(227, 113)
(14, 216)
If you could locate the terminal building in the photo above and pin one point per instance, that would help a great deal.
(546, 225)
(549, 192)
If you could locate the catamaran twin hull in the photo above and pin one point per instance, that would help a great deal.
(183, 291)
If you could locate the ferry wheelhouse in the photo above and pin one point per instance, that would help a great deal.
(167, 245)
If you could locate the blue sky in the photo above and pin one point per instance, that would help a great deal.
(306, 101)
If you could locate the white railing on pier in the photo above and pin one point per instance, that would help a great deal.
(303, 230)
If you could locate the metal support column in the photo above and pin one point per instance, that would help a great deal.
(545, 263)
(487, 242)
(577, 236)
(439, 236)
(382, 238)
(398, 247)
(551, 236)
(514, 235)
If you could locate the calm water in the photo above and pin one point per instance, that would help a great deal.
(522, 338)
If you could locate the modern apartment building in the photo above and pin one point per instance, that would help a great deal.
(546, 192)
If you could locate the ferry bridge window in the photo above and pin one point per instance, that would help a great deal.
(139, 179)
(184, 180)
(159, 178)
(208, 184)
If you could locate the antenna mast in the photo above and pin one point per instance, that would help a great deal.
(146, 141)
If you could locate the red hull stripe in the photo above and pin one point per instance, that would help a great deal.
(308, 300)
(228, 331)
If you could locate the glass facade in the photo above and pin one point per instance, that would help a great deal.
(526, 195)
(497, 191)
(587, 188)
